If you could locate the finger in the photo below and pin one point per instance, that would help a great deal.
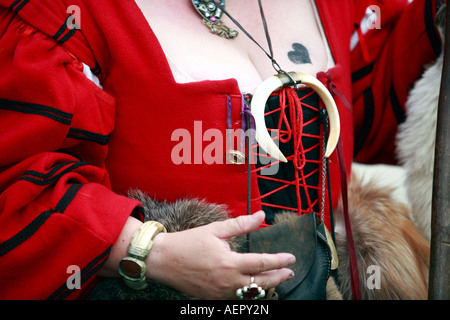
(254, 263)
(238, 226)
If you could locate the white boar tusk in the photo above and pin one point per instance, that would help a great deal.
(265, 89)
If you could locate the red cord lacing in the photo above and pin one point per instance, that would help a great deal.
(290, 102)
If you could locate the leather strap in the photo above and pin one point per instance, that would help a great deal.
(356, 291)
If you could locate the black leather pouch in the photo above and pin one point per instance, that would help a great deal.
(305, 237)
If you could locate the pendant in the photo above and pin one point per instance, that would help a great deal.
(212, 14)
(265, 89)
(334, 256)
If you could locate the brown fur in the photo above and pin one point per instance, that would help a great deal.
(182, 214)
(383, 236)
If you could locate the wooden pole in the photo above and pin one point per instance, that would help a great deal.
(439, 278)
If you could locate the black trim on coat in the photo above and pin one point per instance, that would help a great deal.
(361, 73)
(50, 177)
(396, 107)
(369, 112)
(86, 273)
(34, 225)
(19, 3)
(61, 31)
(88, 136)
(37, 109)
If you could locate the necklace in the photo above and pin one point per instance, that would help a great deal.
(212, 14)
(212, 11)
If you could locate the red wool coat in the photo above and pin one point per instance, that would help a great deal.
(69, 149)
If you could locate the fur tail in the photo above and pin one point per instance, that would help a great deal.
(386, 239)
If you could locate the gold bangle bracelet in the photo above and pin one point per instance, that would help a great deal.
(133, 268)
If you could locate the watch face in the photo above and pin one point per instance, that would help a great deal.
(131, 268)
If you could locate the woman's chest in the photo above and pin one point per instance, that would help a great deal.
(294, 27)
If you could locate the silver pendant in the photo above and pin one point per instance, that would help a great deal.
(212, 15)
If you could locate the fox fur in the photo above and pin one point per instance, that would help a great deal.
(386, 237)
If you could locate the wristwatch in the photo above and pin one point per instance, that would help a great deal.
(133, 268)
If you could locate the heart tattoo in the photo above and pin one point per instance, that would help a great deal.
(300, 54)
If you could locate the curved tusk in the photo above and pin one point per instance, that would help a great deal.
(257, 106)
(265, 89)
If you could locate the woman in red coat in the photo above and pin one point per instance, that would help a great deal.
(91, 95)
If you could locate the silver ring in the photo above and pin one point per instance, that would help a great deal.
(251, 292)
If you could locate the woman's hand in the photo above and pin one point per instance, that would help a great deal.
(200, 263)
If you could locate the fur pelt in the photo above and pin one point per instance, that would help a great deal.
(182, 214)
(416, 144)
(415, 141)
(384, 236)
